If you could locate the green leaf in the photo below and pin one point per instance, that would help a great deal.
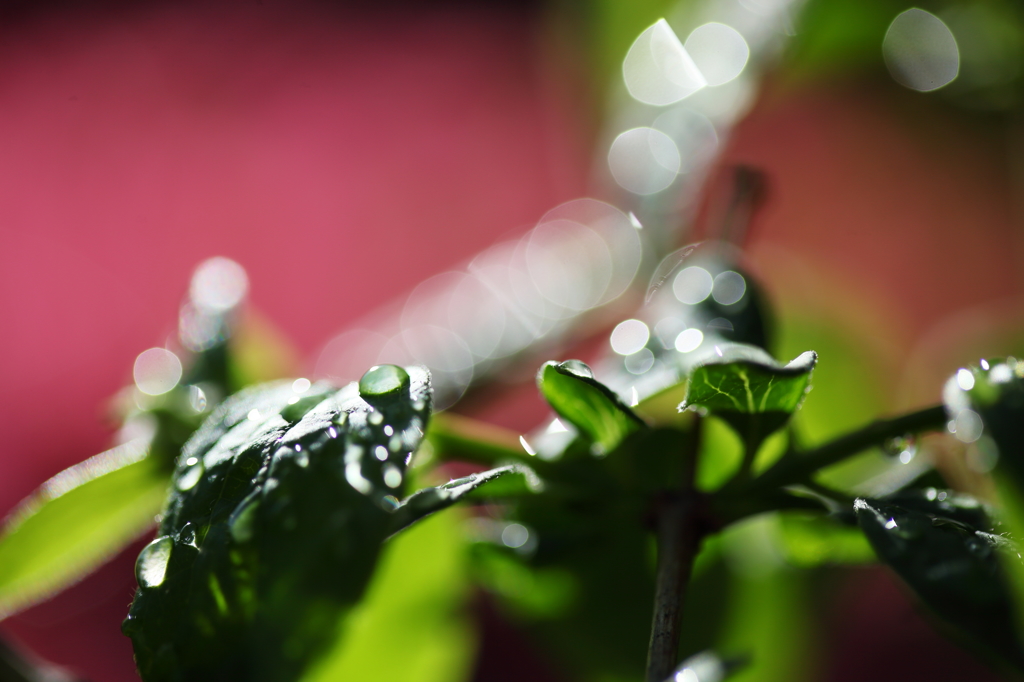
(747, 388)
(280, 505)
(424, 502)
(809, 540)
(590, 406)
(412, 624)
(76, 521)
(953, 567)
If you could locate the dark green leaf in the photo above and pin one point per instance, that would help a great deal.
(76, 521)
(953, 567)
(281, 502)
(590, 406)
(748, 389)
(429, 500)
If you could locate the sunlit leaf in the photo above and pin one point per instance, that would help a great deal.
(412, 624)
(748, 389)
(587, 404)
(953, 567)
(76, 521)
(281, 502)
(424, 502)
(810, 540)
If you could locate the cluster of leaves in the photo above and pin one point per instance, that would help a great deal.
(276, 510)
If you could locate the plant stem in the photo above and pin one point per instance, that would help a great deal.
(798, 468)
(678, 541)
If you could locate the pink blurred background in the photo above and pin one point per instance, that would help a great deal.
(342, 156)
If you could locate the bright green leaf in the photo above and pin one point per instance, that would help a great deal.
(590, 406)
(411, 625)
(809, 540)
(748, 389)
(953, 567)
(76, 521)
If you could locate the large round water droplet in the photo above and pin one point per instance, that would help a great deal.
(579, 368)
(383, 380)
(151, 566)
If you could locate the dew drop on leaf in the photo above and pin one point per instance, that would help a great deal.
(579, 368)
(383, 380)
(151, 566)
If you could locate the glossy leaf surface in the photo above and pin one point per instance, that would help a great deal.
(280, 504)
(953, 567)
(424, 502)
(76, 521)
(590, 406)
(748, 389)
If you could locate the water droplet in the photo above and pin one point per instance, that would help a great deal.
(375, 418)
(218, 285)
(197, 398)
(720, 324)
(629, 336)
(157, 371)
(392, 476)
(902, 448)
(301, 385)
(191, 461)
(640, 362)
(578, 367)
(689, 340)
(890, 524)
(692, 285)
(383, 380)
(151, 566)
(514, 535)
(355, 478)
(254, 414)
(984, 364)
(729, 288)
(389, 430)
(187, 535)
(190, 476)
(968, 426)
(332, 432)
(380, 452)
(965, 379)
(242, 522)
